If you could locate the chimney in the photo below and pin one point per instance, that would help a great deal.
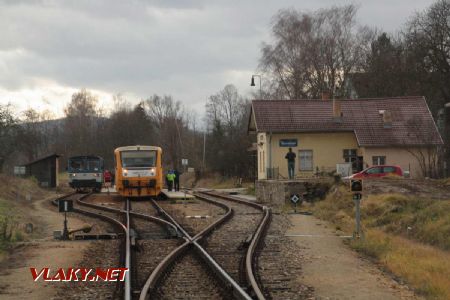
(325, 96)
(337, 113)
(387, 119)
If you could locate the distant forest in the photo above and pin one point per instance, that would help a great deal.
(309, 53)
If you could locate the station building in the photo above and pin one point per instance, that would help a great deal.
(323, 133)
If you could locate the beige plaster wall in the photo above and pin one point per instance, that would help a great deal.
(395, 156)
(327, 151)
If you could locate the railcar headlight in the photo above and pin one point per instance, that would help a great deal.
(125, 172)
(73, 174)
(97, 175)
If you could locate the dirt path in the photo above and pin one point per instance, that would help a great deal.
(15, 276)
(335, 271)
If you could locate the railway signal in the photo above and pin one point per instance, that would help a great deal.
(65, 206)
(356, 186)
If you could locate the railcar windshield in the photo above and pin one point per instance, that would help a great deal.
(77, 165)
(138, 159)
(94, 165)
(81, 164)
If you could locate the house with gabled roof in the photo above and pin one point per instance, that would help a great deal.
(364, 132)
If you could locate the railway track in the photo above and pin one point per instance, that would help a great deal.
(245, 239)
(230, 267)
(121, 218)
(164, 268)
(103, 254)
(276, 268)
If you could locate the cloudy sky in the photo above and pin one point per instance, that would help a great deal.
(189, 49)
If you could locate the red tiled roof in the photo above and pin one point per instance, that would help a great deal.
(361, 116)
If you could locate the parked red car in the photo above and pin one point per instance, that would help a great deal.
(379, 171)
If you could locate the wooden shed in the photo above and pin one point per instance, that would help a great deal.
(45, 170)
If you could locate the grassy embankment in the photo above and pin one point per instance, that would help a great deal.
(15, 196)
(406, 235)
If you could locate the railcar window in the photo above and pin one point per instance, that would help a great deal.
(77, 165)
(138, 159)
(94, 165)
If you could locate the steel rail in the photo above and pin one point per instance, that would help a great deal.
(124, 228)
(154, 277)
(229, 214)
(231, 198)
(132, 213)
(238, 291)
(127, 293)
(90, 213)
(250, 259)
(250, 256)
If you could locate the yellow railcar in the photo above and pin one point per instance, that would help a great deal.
(138, 171)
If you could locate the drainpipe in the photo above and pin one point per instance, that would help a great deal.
(270, 153)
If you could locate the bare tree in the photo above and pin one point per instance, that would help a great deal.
(81, 116)
(8, 133)
(427, 40)
(167, 116)
(426, 153)
(226, 114)
(313, 53)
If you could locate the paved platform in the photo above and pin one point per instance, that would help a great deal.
(111, 189)
(176, 195)
(334, 270)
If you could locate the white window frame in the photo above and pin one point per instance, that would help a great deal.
(301, 157)
(378, 158)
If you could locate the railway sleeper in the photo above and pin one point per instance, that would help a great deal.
(104, 236)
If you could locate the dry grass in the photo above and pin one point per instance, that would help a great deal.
(424, 267)
(446, 181)
(14, 188)
(15, 194)
(215, 181)
(409, 236)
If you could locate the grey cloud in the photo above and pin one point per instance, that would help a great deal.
(184, 48)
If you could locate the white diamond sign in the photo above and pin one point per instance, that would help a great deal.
(295, 198)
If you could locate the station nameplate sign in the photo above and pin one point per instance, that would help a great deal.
(288, 143)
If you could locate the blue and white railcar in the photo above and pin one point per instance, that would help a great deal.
(85, 172)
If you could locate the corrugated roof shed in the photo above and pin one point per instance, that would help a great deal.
(412, 122)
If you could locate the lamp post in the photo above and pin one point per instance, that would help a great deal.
(253, 84)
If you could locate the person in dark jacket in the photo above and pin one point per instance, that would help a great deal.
(177, 180)
(290, 157)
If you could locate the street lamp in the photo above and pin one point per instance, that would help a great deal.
(253, 84)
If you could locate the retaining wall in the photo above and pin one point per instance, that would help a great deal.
(277, 193)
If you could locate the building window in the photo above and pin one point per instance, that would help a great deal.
(306, 160)
(350, 156)
(378, 160)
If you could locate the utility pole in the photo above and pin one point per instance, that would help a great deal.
(204, 150)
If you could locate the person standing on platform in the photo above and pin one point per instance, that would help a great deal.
(176, 183)
(170, 180)
(290, 157)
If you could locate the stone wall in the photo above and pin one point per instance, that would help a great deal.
(276, 193)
